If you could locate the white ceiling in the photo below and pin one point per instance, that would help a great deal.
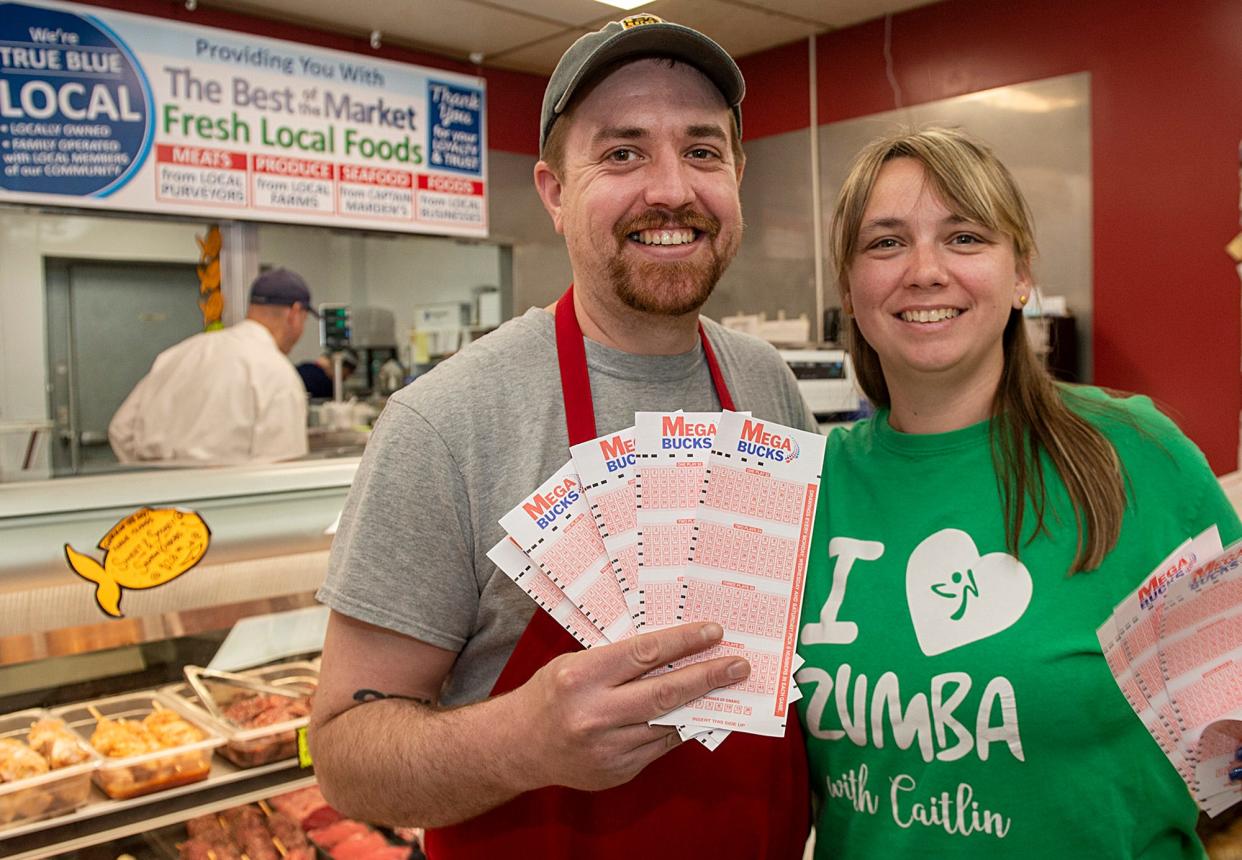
(531, 35)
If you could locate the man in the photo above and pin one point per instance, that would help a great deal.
(640, 168)
(224, 397)
(317, 375)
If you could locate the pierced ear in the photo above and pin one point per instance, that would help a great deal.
(847, 304)
(1022, 288)
(549, 187)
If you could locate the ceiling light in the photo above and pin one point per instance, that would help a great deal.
(625, 4)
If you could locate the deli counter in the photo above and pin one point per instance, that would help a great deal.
(111, 587)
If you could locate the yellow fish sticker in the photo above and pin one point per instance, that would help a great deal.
(149, 547)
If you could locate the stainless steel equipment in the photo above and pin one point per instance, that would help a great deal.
(826, 380)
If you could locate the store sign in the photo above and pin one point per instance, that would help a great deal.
(112, 110)
(148, 548)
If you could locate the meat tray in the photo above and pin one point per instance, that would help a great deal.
(252, 745)
(57, 792)
(134, 775)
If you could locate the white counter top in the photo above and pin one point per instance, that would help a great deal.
(171, 486)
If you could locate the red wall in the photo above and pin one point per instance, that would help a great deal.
(1166, 108)
(513, 98)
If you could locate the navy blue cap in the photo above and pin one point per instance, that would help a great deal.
(281, 287)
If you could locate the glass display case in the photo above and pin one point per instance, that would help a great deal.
(140, 755)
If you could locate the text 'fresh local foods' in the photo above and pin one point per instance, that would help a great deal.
(282, 134)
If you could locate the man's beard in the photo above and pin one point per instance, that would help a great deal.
(671, 288)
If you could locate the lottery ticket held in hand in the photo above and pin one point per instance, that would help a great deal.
(606, 467)
(703, 517)
(749, 554)
(1174, 649)
(555, 528)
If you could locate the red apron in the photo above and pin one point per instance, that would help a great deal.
(748, 800)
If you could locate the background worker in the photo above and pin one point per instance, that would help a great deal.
(227, 396)
(317, 375)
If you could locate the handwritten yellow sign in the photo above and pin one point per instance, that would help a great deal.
(149, 547)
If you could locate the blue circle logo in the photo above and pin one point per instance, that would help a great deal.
(75, 106)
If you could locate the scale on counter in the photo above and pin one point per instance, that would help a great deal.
(826, 381)
(334, 329)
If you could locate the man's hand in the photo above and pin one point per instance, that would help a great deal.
(585, 714)
(580, 721)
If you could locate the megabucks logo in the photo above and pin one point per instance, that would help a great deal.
(758, 442)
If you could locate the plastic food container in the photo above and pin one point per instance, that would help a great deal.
(248, 744)
(131, 776)
(56, 792)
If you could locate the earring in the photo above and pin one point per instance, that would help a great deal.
(1023, 299)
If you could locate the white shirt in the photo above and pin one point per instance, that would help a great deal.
(217, 398)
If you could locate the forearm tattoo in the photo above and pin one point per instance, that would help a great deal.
(365, 696)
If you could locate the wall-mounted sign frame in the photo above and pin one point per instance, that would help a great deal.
(112, 110)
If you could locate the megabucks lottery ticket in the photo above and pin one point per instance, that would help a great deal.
(672, 449)
(712, 738)
(1200, 654)
(606, 467)
(555, 528)
(1129, 639)
(532, 579)
(750, 547)
(516, 565)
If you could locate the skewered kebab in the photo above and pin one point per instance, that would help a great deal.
(160, 729)
(247, 833)
(171, 729)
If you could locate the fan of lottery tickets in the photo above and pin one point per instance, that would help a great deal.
(686, 516)
(1175, 647)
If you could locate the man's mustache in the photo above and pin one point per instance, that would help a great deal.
(655, 219)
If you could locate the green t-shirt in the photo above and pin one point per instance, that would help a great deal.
(955, 699)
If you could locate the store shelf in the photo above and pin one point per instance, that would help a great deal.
(103, 820)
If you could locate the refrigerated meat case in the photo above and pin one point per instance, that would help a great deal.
(270, 532)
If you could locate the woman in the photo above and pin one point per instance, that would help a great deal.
(973, 535)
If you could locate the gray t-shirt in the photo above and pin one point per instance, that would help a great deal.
(457, 449)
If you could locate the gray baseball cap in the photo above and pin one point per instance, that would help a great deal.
(635, 37)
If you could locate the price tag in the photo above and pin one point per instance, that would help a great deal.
(304, 755)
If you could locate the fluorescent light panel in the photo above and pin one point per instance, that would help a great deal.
(625, 4)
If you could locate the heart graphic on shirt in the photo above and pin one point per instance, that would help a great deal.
(957, 596)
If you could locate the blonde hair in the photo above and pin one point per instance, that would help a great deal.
(1029, 410)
